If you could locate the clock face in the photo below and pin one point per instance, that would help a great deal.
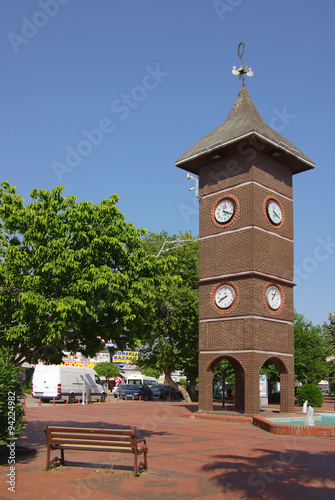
(224, 211)
(273, 297)
(224, 296)
(274, 212)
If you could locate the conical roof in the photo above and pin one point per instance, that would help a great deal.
(243, 122)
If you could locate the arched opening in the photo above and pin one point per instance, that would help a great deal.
(247, 367)
(270, 383)
(228, 378)
(224, 383)
(279, 383)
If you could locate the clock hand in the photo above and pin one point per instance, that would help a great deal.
(222, 298)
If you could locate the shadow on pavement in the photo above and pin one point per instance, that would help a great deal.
(279, 475)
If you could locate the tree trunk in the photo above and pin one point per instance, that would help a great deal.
(193, 389)
(177, 386)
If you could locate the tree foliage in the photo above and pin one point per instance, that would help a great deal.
(224, 370)
(12, 422)
(271, 371)
(151, 372)
(311, 348)
(170, 338)
(330, 334)
(107, 370)
(71, 273)
(331, 374)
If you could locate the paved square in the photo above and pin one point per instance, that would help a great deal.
(188, 458)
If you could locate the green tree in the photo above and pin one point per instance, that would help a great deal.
(170, 338)
(272, 373)
(311, 348)
(331, 374)
(71, 273)
(12, 422)
(330, 333)
(107, 370)
(226, 374)
(151, 372)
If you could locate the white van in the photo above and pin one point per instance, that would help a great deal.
(136, 377)
(62, 382)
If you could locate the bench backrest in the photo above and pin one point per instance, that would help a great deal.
(89, 436)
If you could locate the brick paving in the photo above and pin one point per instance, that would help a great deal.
(204, 459)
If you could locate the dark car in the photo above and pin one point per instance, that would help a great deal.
(136, 391)
(163, 391)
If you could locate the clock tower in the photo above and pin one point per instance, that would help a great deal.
(245, 171)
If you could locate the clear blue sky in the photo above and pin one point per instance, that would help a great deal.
(154, 77)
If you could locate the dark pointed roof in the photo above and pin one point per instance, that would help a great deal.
(243, 122)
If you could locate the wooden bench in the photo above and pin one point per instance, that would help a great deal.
(93, 439)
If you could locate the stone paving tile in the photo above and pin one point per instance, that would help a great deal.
(188, 458)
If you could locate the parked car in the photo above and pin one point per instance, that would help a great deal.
(136, 391)
(163, 391)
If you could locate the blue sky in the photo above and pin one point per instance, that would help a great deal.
(103, 96)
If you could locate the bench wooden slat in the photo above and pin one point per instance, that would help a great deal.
(93, 447)
(95, 439)
(94, 430)
(61, 435)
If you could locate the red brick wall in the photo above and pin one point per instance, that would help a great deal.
(246, 250)
(250, 300)
(246, 333)
(233, 169)
(251, 198)
(248, 244)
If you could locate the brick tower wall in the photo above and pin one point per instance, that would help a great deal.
(252, 254)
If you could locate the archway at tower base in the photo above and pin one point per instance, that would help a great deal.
(247, 366)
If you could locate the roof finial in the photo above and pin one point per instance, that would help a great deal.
(243, 70)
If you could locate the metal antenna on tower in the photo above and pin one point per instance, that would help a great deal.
(243, 69)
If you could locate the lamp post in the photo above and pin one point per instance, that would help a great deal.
(84, 383)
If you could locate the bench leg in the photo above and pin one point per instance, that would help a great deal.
(135, 464)
(47, 463)
(145, 459)
(144, 464)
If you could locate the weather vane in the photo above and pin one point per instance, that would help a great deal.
(243, 70)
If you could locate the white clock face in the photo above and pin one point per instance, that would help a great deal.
(273, 297)
(224, 296)
(224, 211)
(274, 212)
